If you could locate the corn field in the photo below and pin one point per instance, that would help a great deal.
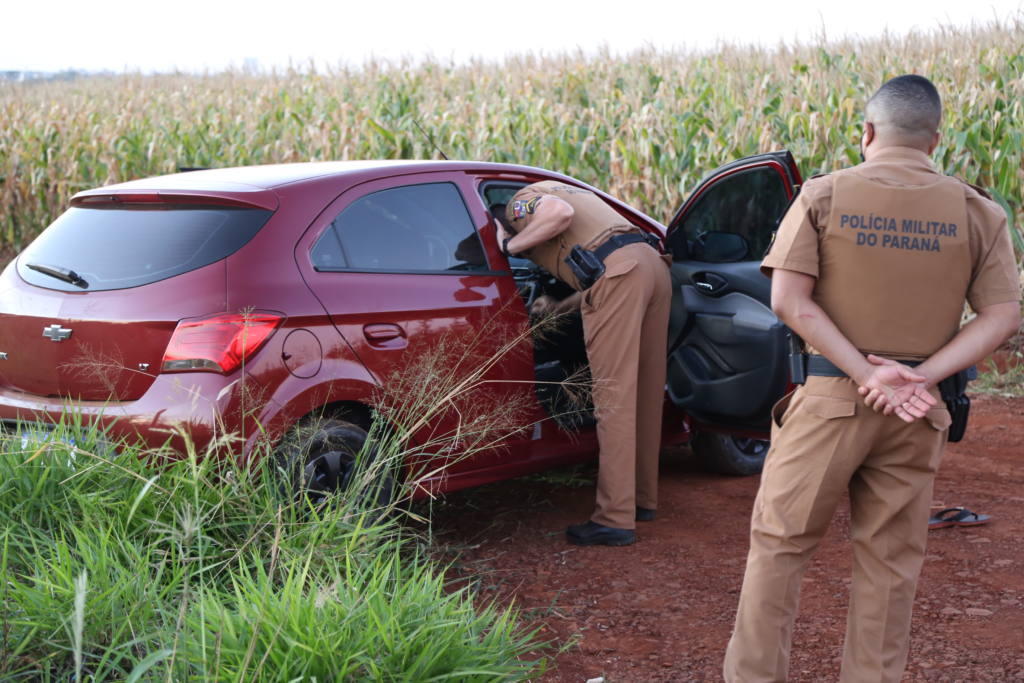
(645, 127)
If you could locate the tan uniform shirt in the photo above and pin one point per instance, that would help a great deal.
(592, 223)
(897, 248)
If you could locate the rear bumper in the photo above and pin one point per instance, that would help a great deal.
(182, 410)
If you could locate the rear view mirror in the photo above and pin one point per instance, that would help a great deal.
(720, 247)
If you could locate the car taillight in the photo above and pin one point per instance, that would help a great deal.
(218, 343)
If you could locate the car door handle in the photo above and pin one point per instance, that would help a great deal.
(710, 283)
(387, 335)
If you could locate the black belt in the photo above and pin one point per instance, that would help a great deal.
(587, 265)
(820, 366)
(953, 389)
(618, 241)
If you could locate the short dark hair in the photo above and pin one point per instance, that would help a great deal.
(907, 106)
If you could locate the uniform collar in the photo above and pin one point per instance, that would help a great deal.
(905, 155)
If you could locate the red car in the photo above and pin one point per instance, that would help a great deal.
(248, 300)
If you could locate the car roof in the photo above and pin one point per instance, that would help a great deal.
(256, 185)
(250, 178)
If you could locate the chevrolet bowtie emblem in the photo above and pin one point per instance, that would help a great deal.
(56, 333)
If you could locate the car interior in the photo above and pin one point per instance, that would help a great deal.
(726, 348)
(560, 356)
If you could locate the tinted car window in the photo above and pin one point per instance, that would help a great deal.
(133, 245)
(748, 203)
(327, 254)
(411, 228)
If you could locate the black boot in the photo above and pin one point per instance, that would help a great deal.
(644, 514)
(592, 533)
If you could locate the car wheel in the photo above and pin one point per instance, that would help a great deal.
(728, 454)
(322, 459)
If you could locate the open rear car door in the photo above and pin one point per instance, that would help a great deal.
(728, 353)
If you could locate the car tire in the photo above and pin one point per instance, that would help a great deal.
(319, 460)
(727, 454)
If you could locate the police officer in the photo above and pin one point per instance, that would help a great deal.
(871, 267)
(625, 322)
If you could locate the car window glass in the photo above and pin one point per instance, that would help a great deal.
(410, 228)
(117, 247)
(327, 254)
(747, 204)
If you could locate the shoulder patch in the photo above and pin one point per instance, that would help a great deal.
(980, 190)
(524, 207)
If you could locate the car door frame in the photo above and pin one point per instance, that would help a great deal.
(717, 393)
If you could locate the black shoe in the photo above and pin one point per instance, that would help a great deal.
(592, 533)
(644, 514)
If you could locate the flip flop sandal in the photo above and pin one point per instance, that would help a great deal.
(959, 516)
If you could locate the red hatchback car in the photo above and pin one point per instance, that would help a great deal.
(175, 300)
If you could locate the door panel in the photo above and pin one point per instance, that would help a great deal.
(728, 360)
(410, 280)
(728, 363)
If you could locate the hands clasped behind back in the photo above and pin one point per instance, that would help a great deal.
(895, 388)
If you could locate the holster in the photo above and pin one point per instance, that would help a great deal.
(585, 265)
(797, 358)
(953, 390)
(588, 265)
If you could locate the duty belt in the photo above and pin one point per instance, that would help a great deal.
(952, 389)
(588, 265)
(617, 241)
(820, 366)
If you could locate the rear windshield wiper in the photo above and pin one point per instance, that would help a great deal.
(65, 274)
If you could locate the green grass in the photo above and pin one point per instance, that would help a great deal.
(1007, 384)
(197, 569)
(1003, 373)
(124, 564)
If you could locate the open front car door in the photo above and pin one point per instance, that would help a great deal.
(728, 353)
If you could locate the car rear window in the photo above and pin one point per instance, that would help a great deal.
(126, 246)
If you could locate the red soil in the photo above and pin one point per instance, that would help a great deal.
(662, 610)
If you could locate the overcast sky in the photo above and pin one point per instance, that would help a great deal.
(192, 35)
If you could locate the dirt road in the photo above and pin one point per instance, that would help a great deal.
(662, 610)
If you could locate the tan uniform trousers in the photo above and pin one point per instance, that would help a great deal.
(830, 442)
(625, 326)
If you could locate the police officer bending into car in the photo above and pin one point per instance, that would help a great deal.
(871, 267)
(624, 292)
